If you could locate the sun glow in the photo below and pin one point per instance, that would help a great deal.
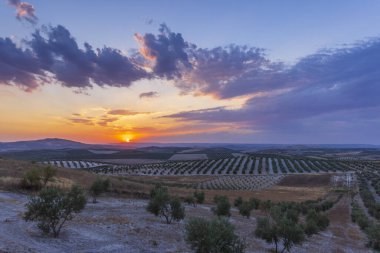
(127, 138)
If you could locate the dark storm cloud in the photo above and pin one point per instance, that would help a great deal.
(150, 94)
(24, 11)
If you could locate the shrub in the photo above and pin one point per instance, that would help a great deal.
(223, 206)
(31, 180)
(98, 187)
(255, 203)
(320, 220)
(245, 208)
(47, 174)
(278, 227)
(238, 201)
(53, 207)
(161, 204)
(373, 234)
(190, 200)
(199, 196)
(216, 235)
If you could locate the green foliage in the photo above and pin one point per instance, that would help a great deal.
(31, 180)
(161, 204)
(223, 206)
(238, 201)
(280, 226)
(255, 203)
(47, 174)
(265, 205)
(53, 207)
(190, 200)
(245, 208)
(373, 233)
(213, 236)
(98, 187)
(359, 217)
(199, 197)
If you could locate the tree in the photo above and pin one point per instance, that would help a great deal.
(47, 174)
(31, 180)
(161, 204)
(98, 187)
(199, 197)
(315, 222)
(213, 236)
(53, 207)
(223, 206)
(255, 203)
(373, 233)
(245, 208)
(190, 200)
(238, 201)
(280, 226)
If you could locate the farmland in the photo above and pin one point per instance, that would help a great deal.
(353, 209)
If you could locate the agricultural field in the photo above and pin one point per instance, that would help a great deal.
(238, 165)
(353, 209)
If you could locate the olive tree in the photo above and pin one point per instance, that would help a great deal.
(163, 205)
(280, 226)
(98, 187)
(213, 236)
(53, 207)
(199, 197)
(47, 174)
(223, 206)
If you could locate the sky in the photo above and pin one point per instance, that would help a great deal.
(297, 72)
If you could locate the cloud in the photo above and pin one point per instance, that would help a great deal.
(166, 52)
(18, 66)
(24, 11)
(81, 121)
(335, 82)
(123, 112)
(149, 94)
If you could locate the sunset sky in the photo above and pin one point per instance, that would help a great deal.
(190, 71)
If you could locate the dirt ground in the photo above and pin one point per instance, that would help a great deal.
(123, 225)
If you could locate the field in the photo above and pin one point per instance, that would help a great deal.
(120, 222)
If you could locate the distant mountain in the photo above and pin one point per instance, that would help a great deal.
(50, 143)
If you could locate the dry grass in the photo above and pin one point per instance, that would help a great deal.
(292, 188)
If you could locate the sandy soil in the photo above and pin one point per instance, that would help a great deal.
(123, 225)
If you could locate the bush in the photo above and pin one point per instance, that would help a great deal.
(53, 207)
(320, 220)
(223, 206)
(279, 227)
(161, 204)
(31, 180)
(190, 200)
(216, 235)
(199, 196)
(373, 234)
(47, 174)
(245, 208)
(238, 201)
(98, 187)
(255, 203)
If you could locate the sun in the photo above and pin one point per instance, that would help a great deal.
(128, 140)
